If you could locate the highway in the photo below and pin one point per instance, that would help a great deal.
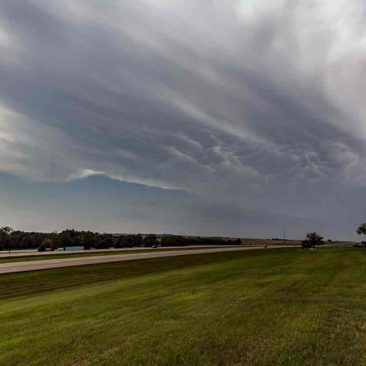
(82, 261)
(35, 253)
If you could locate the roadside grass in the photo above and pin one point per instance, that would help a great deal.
(270, 307)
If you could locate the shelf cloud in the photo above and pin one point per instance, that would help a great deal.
(254, 110)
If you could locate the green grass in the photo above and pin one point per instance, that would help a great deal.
(270, 307)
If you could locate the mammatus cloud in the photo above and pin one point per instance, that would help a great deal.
(250, 105)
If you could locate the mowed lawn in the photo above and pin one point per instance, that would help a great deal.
(268, 307)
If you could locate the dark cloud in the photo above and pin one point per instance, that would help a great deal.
(254, 109)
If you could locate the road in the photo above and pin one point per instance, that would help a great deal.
(82, 261)
(35, 253)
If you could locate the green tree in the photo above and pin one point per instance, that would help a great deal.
(149, 240)
(47, 244)
(312, 239)
(6, 230)
(5, 233)
(362, 229)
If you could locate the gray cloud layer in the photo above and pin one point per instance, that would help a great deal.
(249, 106)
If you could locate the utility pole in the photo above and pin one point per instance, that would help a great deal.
(284, 235)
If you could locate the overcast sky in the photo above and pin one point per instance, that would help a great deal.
(236, 117)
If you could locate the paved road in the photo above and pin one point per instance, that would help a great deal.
(57, 263)
(34, 252)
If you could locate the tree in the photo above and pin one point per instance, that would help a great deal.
(149, 240)
(6, 230)
(46, 245)
(4, 237)
(361, 229)
(312, 239)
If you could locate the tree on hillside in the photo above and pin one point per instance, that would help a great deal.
(312, 239)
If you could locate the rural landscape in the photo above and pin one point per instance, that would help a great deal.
(246, 303)
(182, 183)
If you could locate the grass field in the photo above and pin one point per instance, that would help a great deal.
(269, 307)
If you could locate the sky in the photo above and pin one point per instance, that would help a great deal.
(203, 117)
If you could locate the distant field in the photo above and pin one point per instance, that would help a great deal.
(269, 307)
(248, 241)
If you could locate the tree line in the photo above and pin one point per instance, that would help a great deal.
(15, 239)
(314, 239)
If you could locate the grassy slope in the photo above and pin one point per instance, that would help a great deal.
(275, 307)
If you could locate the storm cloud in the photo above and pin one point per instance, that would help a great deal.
(253, 109)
